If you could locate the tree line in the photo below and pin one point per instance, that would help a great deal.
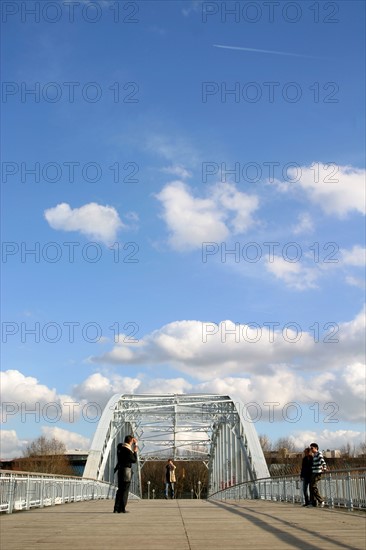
(47, 455)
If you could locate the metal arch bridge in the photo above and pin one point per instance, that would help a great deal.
(214, 429)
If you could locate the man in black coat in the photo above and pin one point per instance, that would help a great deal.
(306, 473)
(126, 457)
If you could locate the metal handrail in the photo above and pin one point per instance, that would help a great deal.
(25, 490)
(341, 488)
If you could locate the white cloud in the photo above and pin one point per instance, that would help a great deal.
(294, 275)
(93, 220)
(338, 190)
(71, 440)
(166, 386)
(177, 170)
(24, 396)
(11, 446)
(241, 205)
(207, 350)
(300, 275)
(354, 257)
(305, 224)
(19, 388)
(327, 439)
(98, 388)
(192, 220)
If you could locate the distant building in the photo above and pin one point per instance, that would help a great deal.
(332, 453)
(76, 458)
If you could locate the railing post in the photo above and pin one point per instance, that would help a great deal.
(349, 490)
(27, 495)
(331, 498)
(41, 489)
(63, 492)
(12, 484)
(54, 493)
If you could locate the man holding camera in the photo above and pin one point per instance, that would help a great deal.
(169, 478)
(126, 456)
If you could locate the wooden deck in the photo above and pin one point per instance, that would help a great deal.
(183, 525)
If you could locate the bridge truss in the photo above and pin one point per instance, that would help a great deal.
(213, 429)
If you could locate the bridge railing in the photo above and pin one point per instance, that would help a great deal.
(341, 488)
(23, 490)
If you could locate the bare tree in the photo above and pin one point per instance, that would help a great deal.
(188, 474)
(361, 449)
(284, 445)
(195, 476)
(265, 443)
(46, 456)
(348, 450)
(43, 446)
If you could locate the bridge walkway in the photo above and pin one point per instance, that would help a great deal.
(183, 525)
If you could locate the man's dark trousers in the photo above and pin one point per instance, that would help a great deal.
(122, 493)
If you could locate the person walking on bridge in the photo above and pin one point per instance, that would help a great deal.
(319, 466)
(126, 456)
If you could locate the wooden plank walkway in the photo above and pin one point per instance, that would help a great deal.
(183, 525)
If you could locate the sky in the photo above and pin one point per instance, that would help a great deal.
(183, 211)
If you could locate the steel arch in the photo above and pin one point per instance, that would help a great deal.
(216, 429)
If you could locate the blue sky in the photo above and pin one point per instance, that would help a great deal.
(143, 156)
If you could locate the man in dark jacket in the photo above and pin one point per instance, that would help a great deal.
(126, 457)
(306, 473)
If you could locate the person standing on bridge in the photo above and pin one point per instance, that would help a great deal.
(319, 466)
(126, 456)
(169, 478)
(306, 473)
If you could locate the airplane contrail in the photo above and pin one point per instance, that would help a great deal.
(263, 51)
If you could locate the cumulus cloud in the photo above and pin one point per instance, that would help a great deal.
(339, 395)
(192, 220)
(306, 271)
(17, 387)
(356, 256)
(97, 388)
(206, 350)
(294, 275)
(71, 440)
(11, 446)
(338, 190)
(24, 396)
(93, 220)
(328, 439)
